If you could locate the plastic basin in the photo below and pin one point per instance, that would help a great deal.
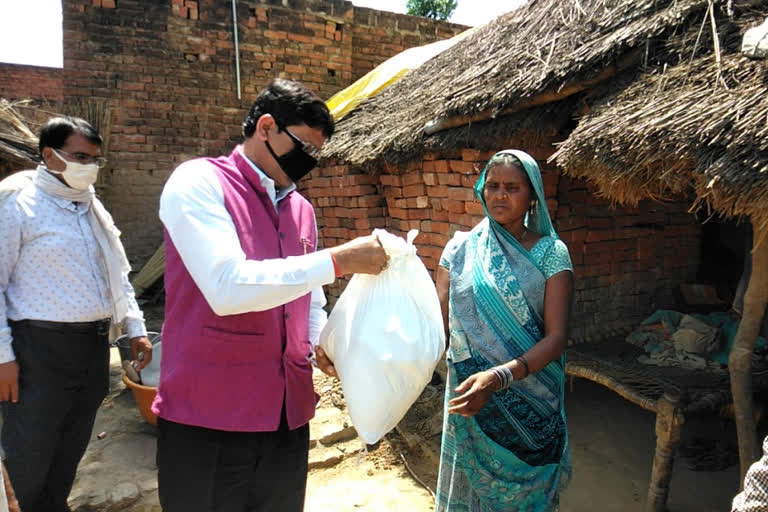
(144, 396)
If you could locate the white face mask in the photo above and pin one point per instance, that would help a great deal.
(78, 176)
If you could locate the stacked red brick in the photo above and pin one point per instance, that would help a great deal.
(185, 8)
(347, 203)
(627, 261)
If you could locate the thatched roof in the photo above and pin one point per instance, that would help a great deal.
(21, 121)
(540, 53)
(699, 126)
(18, 144)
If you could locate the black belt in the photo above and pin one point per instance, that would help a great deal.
(100, 326)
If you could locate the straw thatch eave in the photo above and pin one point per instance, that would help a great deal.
(18, 144)
(700, 126)
(542, 50)
(543, 124)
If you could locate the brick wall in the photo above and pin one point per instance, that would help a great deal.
(378, 35)
(627, 261)
(167, 71)
(34, 81)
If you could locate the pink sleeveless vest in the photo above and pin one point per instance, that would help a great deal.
(235, 372)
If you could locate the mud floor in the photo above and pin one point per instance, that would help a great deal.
(612, 445)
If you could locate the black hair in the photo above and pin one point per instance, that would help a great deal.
(290, 103)
(58, 129)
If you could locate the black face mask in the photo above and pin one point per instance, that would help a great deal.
(296, 163)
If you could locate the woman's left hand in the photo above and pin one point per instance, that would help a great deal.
(474, 393)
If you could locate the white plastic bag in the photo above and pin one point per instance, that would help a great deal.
(755, 42)
(150, 375)
(385, 336)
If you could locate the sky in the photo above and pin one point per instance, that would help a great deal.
(30, 30)
(468, 12)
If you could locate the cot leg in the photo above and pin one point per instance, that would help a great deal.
(669, 421)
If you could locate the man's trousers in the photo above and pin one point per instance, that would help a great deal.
(63, 378)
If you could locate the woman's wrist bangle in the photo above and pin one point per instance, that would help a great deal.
(504, 375)
(524, 362)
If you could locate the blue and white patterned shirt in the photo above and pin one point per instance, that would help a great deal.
(50, 266)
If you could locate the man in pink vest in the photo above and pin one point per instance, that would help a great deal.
(243, 308)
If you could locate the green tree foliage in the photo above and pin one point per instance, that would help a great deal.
(437, 9)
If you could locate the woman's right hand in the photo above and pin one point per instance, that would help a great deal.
(474, 394)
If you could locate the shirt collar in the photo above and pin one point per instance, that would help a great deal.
(268, 183)
(58, 201)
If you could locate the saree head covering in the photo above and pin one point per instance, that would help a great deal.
(512, 455)
(537, 220)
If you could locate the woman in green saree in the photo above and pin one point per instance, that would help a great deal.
(505, 289)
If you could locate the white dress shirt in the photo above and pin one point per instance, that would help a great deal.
(50, 266)
(754, 497)
(193, 212)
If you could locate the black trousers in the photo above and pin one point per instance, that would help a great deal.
(204, 470)
(64, 376)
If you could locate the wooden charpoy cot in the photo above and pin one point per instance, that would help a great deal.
(671, 393)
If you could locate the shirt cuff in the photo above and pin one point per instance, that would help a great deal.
(134, 328)
(320, 269)
(6, 350)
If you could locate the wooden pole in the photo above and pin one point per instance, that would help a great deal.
(669, 421)
(740, 359)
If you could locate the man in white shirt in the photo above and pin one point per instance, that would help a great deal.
(63, 281)
(754, 497)
(244, 305)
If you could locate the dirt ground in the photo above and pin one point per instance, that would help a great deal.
(612, 445)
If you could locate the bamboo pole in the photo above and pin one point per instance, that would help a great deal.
(740, 359)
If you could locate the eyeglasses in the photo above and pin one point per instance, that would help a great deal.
(307, 147)
(84, 158)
